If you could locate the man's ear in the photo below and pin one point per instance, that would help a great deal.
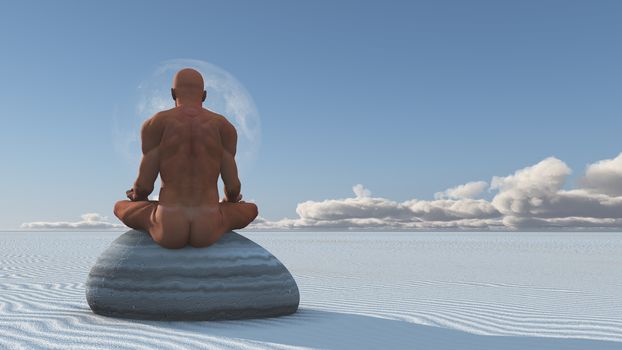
(204, 95)
(173, 94)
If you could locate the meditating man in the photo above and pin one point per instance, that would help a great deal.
(190, 147)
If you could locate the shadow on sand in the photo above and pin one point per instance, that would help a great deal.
(333, 330)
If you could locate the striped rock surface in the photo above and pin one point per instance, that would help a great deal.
(232, 279)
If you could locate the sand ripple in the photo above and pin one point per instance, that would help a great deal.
(355, 294)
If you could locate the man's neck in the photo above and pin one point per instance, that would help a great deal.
(189, 103)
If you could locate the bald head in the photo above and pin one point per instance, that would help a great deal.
(188, 85)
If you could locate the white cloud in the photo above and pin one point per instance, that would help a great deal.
(360, 191)
(451, 210)
(531, 198)
(468, 190)
(604, 177)
(89, 221)
(524, 192)
(365, 212)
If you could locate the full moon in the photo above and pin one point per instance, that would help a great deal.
(225, 96)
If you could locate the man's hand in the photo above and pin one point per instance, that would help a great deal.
(132, 195)
(239, 199)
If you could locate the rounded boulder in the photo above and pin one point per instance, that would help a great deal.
(234, 278)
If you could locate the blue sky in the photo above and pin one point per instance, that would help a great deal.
(406, 98)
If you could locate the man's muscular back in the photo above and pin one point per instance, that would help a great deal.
(194, 146)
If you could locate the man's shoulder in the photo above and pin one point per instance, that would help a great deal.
(151, 132)
(154, 126)
(157, 120)
(161, 115)
(216, 116)
(224, 125)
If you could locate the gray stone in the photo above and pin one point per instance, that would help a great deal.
(234, 278)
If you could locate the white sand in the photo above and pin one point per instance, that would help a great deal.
(358, 291)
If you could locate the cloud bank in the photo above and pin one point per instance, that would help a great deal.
(530, 199)
(89, 221)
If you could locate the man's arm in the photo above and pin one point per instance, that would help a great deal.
(228, 167)
(151, 134)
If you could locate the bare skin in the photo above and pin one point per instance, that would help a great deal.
(190, 147)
